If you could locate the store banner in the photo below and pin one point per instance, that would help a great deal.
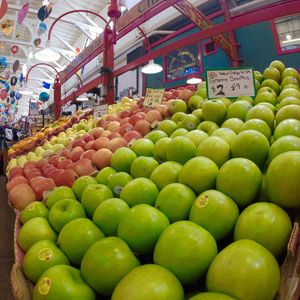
(230, 82)
(153, 97)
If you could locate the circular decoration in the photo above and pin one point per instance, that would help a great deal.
(12, 94)
(3, 63)
(3, 80)
(2, 45)
(44, 12)
(44, 97)
(23, 13)
(18, 96)
(37, 42)
(3, 94)
(43, 27)
(16, 66)
(14, 49)
(13, 80)
(3, 8)
(7, 27)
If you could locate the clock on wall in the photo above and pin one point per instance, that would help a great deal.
(182, 62)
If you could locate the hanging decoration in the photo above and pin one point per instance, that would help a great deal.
(23, 13)
(7, 27)
(3, 94)
(44, 97)
(14, 49)
(37, 42)
(2, 46)
(18, 96)
(21, 79)
(3, 63)
(6, 85)
(18, 34)
(13, 80)
(7, 74)
(12, 94)
(42, 28)
(44, 12)
(3, 8)
(16, 66)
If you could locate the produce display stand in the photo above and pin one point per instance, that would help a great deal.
(290, 286)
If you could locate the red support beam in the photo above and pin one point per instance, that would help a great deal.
(57, 98)
(276, 10)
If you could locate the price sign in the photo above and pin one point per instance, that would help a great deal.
(230, 83)
(100, 110)
(153, 97)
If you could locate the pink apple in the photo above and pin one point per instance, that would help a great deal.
(64, 162)
(114, 135)
(33, 174)
(113, 126)
(15, 181)
(124, 114)
(21, 195)
(40, 185)
(102, 158)
(153, 115)
(53, 160)
(163, 110)
(135, 118)
(185, 94)
(101, 142)
(116, 143)
(15, 171)
(89, 145)
(87, 137)
(125, 128)
(143, 127)
(128, 136)
(75, 153)
(96, 132)
(66, 178)
(112, 117)
(84, 167)
(54, 173)
(105, 133)
(29, 164)
(78, 143)
(101, 123)
(124, 121)
(88, 154)
(66, 152)
(41, 162)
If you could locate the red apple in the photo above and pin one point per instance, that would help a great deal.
(41, 162)
(66, 152)
(114, 135)
(88, 154)
(102, 158)
(29, 164)
(75, 153)
(63, 163)
(124, 114)
(53, 160)
(143, 127)
(124, 121)
(78, 143)
(21, 195)
(29, 170)
(105, 133)
(66, 178)
(96, 132)
(125, 128)
(163, 110)
(185, 94)
(135, 118)
(14, 172)
(153, 115)
(101, 142)
(116, 143)
(40, 185)
(89, 145)
(87, 137)
(15, 181)
(112, 117)
(33, 174)
(84, 167)
(113, 126)
(128, 136)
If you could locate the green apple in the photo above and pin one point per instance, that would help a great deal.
(53, 140)
(117, 181)
(290, 72)
(194, 102)
(265, 97)
(178, 116)
(258, 76)
(33, 210)
(178, 132)
(282, 179)
(122, 159)
(289, 92)
(160, 149)
(34, 230)
(272, 84)
(279, 65)
(289, 100)
(177, 105)
(290, 85)
(261, 112)
(214, 110)
(149, 282)
(167, 126)
(214, 148)
(287, 127)
(93, 195)
(215, 212)
(238, 109)
(289, 80)
(267, 89)
(208, 126)
(142, 147)
(291, 111)
(39, 151)
(31, 156)
(201, 91)
(245, 98)
(189, 122)
(108, 215)
(269, 105)
(81, 183)
(62, 282)
(272, 73)
(196, 136)
(199, 173)
(141, 227)
(226, 134)
(63, 212)
(104, 174)
(143, 166)
(59, 193)
(139, 191)
(180, 149)
(234, 124)
(240, 263)
(190, 250)
(266, 224)
(258, 125)
(175, 201)
(198, 113)
(166, 173)
(284, 144)
(76, 237)
(211, 296)
(236, 173)
(155, 135)
(106, 262)
(40, 257)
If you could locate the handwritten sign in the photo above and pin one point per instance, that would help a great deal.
(153, 97)
(230, 83)
(100, 110)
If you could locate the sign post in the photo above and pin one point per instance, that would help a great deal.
(230, 82)
(153, 97)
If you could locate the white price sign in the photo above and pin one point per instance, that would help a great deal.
(100, 110)
(230, 83)
(153, 97)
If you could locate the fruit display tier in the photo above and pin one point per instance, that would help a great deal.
(193, 199)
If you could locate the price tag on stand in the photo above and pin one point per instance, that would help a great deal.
(100, 110)
(153, 97)
(230, 82)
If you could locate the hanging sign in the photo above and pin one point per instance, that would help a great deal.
(23, 13)
(16, 66)
(153, 97)
(100, 110)
(7, 27)
(230, 82)
(3, 8)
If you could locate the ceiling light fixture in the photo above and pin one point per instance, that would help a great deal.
(288, 37)
(152, 68)
(82, 98)
(194, 80)
(47, 54)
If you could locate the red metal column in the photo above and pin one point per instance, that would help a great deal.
(231, 35)
(57, 98)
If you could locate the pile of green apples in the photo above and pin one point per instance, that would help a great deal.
(197, 209)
